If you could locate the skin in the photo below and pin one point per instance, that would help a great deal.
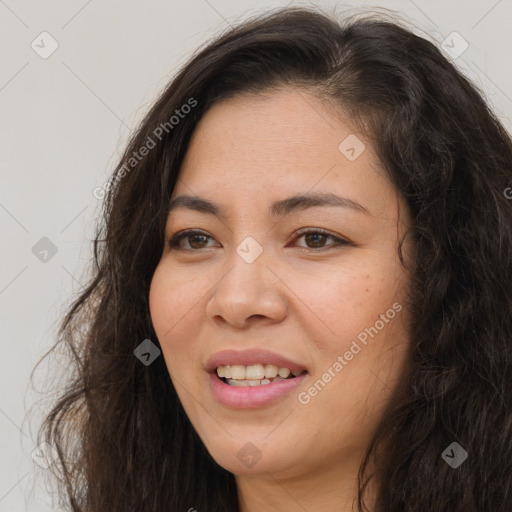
(245, 153)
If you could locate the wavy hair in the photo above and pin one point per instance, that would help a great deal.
(124, 441)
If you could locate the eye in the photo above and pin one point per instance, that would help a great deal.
(198, 236)
(318, 236)
(197, 239)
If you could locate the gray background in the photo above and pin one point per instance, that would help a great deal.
(64, 122)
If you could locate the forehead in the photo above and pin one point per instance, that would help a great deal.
(279, 144)
(285, 125)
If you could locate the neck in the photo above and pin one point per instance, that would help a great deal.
(327, 489)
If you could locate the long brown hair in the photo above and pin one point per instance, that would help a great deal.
(124, 440)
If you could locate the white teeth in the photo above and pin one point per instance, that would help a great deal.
(254, 372)
(238, 383)
(224, 371)
(247, 383)
(284, 372)
(271, 371)
(238, 372)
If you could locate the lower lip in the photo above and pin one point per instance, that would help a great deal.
(251, 397)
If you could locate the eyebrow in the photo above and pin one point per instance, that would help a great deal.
(282, 207)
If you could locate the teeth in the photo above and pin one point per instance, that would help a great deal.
(238, 383)
(254, 372)
(238, 372)
(244, 383)
(283, 372)
(247, 383)
(271, 371)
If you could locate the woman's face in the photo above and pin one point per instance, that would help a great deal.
(251, 293)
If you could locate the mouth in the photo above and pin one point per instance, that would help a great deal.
(254, 393)
(253, 378)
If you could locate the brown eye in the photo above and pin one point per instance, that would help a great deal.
(316, 238)
(196, 240)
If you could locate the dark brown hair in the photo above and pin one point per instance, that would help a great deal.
(124, 440)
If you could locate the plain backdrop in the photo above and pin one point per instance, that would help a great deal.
(65, 118)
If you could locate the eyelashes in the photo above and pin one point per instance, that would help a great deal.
(320, 234)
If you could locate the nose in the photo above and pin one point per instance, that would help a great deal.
(248, 293)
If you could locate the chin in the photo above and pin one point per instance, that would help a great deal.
(246, 457)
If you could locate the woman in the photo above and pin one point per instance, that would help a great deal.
(302, 286)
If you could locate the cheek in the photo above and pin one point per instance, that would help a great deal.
(172, 296)
(344, 301)
(159, 297)
(169, 303)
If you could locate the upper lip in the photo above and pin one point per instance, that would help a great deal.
(249, 357)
